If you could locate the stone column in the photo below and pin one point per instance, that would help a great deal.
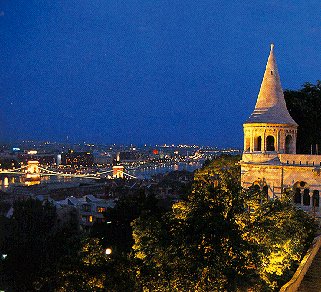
(294, 141)
(282, 139)
(311, 198)
(317, 208)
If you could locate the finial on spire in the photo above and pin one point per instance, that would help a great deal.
(272, 46)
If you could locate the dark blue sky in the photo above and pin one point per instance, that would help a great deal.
(147, 71)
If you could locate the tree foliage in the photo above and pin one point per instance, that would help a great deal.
(35, 240)
(198, 245)
(222, 238)
(91, 269)
(118, 233)
(304, 106)
(279, 234)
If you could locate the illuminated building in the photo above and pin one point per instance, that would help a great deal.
(77, 158)
(269, 159)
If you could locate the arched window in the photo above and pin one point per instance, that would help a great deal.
(258, 143)
(270, 143)
(288, 144)
(306, 197)
(297, 196)
(316, 199)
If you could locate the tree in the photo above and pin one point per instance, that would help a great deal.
(35, 240)
(197, 246)
(304, 106)
(222, 238)
(280, 234)
(118, 232)
(93, 270)
(25, 243)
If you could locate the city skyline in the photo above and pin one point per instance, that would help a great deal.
(130, 72)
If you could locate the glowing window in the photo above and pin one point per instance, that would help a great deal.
(101, 209)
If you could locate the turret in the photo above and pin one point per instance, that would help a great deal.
(270, 128)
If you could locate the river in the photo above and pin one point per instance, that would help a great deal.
(143, 172)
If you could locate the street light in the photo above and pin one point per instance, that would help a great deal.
(108, 251)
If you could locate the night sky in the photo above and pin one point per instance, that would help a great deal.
(147, 71)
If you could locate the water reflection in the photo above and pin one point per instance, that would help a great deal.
(32, 183)
(6, 182)
(11, 180)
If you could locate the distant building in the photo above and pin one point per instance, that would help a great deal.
(269, 159)
(90, 208)
(127, 156)
(77, 158)
(43, 158)
(103, 159)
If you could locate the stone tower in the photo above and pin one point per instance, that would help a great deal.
(269, 158)
(270, 129)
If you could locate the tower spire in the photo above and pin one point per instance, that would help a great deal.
(270, 105)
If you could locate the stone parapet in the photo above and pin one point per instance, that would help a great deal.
(258, 157)
(294, 283)
(300, 159)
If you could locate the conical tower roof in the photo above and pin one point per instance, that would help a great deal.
(270, 105)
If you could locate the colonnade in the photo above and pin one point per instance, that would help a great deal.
(307, 197)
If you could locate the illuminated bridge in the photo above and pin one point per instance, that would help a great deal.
(33, 171)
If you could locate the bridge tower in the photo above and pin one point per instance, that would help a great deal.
(118, 171)
(32, 171)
